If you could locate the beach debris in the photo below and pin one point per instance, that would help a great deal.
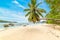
(24, 25)
(11, 24)
(6, 25)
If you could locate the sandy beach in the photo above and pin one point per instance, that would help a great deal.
(31, 32)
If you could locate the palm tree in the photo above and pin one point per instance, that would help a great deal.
(33, 12)
(55, 10)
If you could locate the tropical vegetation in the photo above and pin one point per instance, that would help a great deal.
(54, 11)
(33, 12)
(4, 21)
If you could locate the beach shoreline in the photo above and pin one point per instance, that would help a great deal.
(31, 32)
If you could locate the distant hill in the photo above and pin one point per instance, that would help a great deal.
(3, 21)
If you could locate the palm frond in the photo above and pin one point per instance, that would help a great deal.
(38, 4)
(39, 13)
(42, 10)
(30, 17)
(29, 5)
(27, 14)
(37, 17)
(26, 9)
(33, 2)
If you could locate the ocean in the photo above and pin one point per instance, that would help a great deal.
(2, 25)
(15, 25)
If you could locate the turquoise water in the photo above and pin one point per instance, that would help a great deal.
(15, 25)
(1, 25)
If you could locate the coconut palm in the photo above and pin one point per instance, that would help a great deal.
(55, 10)
(33, 12)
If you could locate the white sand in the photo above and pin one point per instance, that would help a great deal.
(35, 32)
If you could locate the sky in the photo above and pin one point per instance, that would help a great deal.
(13, 10)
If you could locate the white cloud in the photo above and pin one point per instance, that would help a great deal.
(12, 15)
(17, 16)
(17, 3)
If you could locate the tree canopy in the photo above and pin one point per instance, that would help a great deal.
(54, 10)
(33, 12)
